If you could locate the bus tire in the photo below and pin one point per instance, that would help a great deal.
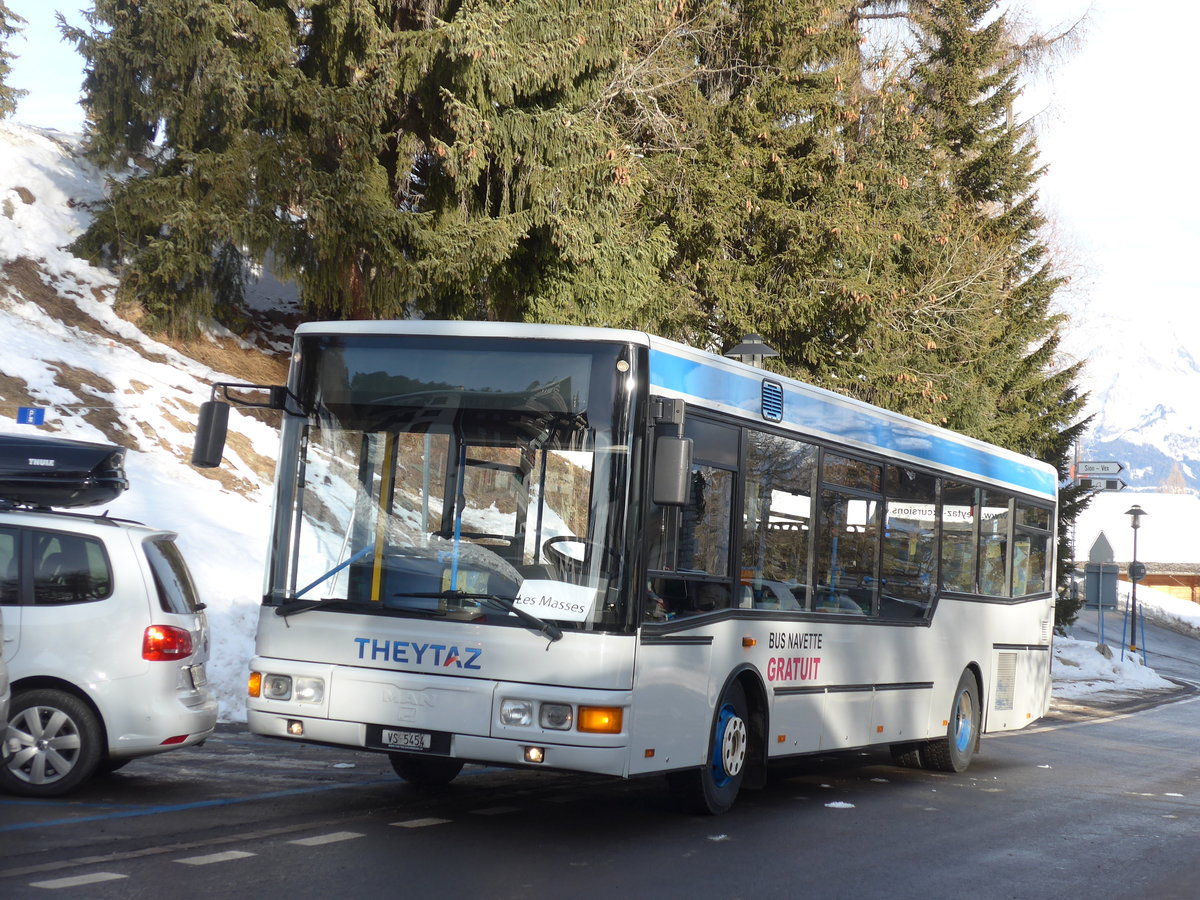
(954, 752)
(711, 789)
(907, 756)
(425, 771)
(54, 739)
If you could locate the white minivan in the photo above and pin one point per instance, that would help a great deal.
(104, 639)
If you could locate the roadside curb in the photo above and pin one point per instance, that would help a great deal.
(1107, 704)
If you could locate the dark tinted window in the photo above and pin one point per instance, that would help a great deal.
(176, 591)
(9, 572)
(69, 568)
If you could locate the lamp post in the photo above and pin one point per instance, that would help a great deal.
(752, 350)
(1136, 573)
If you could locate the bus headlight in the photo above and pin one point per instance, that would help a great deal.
(516, 712)
(557, 716)
(310, 690)
(277, 687)
(302, 689)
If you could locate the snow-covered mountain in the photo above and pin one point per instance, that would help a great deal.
(1144, 384)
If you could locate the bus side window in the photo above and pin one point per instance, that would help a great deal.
(908, 572)
(688, 547)
(777, 521)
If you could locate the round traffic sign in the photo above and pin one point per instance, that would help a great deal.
(1137, 571)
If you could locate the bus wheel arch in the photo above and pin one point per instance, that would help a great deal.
(955, 751)
(735, 754)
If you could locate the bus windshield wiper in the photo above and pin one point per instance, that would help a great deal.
(296, 606)
(549, 630)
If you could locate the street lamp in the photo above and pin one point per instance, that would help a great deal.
(752, 350)
(1137, 571)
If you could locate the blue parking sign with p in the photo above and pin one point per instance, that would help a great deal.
(30, 415)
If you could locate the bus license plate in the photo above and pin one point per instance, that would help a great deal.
(405, 740)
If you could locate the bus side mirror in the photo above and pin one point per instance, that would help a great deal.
(672, 470)
(211, 428)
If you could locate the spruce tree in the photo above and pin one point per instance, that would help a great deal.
(10, 25)
(440, 158)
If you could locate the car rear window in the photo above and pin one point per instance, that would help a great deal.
(176, 590)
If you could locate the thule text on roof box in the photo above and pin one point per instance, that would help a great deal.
(56, 472)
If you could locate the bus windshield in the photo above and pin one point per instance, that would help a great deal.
(456, 478)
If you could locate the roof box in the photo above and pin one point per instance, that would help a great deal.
(56, 472)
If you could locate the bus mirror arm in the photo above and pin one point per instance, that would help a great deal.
(212, 425)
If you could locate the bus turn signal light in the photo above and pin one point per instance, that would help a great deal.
(254, 684)
(600, 719)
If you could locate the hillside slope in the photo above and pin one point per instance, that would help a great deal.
(99, 377)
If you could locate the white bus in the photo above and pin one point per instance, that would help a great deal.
(602, 551)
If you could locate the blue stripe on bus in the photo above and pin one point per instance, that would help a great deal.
(813, 412)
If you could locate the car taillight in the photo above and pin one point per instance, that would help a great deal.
(161, 642)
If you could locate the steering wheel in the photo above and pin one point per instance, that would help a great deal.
(564, 562)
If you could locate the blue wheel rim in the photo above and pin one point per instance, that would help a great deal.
(720, 776)
(963, 724)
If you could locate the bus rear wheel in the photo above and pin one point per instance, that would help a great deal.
(954, 752)
(711, 789)
(425, 771)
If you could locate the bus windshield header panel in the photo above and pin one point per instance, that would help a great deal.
(471, 479)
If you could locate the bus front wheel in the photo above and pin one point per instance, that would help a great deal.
(425, 771)
(954, 752)
(711, 789)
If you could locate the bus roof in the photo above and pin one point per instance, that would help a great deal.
(714, 382)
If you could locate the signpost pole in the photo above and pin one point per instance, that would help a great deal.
(1136, 572)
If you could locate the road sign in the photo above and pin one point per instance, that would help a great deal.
(1102, 484)
(1099, 468)
(1137, 571)
(30, 415)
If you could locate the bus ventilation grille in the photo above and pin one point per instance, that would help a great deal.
(1006, 680)
(772, 401)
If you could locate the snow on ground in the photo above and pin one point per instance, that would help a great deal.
(153, 392)
(1082, 669)
(144, 388)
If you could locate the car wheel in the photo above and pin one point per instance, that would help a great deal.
(54, 743)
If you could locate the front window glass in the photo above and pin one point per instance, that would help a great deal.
(449, 477)
(10, 574)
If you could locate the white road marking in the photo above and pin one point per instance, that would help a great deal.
(211, 858)
(77, 880)
(331, 838)
(420, 823)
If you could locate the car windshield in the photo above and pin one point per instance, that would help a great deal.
(442, 477)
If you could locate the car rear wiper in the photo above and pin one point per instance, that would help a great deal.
(550, 631)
